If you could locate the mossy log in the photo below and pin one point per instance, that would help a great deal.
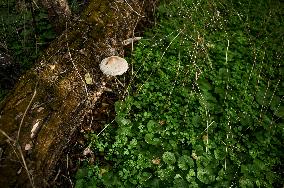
(40, 116)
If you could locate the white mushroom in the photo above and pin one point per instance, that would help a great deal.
(113, 66)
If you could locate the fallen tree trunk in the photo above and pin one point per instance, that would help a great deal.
(38, 119)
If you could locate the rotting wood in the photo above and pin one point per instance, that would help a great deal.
(49, 102)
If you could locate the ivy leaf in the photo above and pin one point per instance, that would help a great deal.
(169, 158)
(219, 154)
(204, 84)
(274, 103)
(122, 121)
(156, 141)
(148, 138)
(205, 176)
(224, 74)
(81, 173)
(185, 162)
(163, 174)
(263, 97)
(155, 183)
(144, 177)
(180, 183)
(280, 112)
(246, 183)
(151, 126)
(193, 184)
(221, 92)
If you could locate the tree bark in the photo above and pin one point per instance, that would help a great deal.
(48, 104)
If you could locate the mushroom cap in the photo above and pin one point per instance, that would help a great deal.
(113, 66)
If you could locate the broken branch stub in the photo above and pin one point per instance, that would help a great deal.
(113, 66)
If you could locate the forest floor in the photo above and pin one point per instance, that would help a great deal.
(201, 105)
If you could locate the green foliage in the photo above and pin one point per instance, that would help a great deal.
(24, 37)
(205, 108)
(169, 158)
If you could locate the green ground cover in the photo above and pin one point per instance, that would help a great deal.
(204, 107)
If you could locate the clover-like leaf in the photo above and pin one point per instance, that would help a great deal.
(169, 158)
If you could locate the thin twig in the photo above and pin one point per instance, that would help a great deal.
(22, 120)
(21, 154)
(105, 128)
(9, 138)
(67, 158)
(56, 175)
(25, 165)
(133, 9)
